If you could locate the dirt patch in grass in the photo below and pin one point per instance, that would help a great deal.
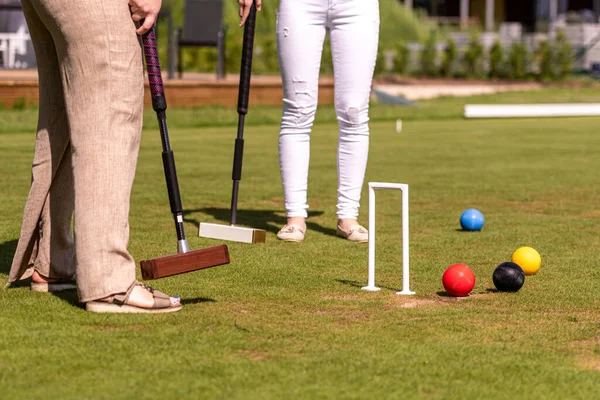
(592, 214)
(480, 295)
(592, 363)
(396, 302)
(588, 343)
(353, 317)
(276, 201)
(589, 352)
(344, 297)
(109, 328)
(254, 355)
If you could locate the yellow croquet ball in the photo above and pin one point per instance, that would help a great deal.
(528, 259)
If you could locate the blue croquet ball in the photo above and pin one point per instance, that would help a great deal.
(471, 220)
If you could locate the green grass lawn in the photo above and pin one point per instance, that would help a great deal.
(289, 320)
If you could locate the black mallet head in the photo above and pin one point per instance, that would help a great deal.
(508, 277)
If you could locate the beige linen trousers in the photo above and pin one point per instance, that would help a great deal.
(76, 218)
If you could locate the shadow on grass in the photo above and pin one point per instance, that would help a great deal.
(70, 296)
(197, 300)
(7, 251)
(467, 231)
(360, 285)
(446, 294)
(269, 220)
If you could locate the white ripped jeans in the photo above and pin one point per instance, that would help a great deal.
(354, 35)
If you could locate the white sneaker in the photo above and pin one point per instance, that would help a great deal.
(356, 234)
(291, 233)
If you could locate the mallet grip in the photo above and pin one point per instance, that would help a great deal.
(159, 102)
(246, 69)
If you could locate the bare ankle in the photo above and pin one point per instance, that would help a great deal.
(300, 221)
(39, 278)
(347, 223)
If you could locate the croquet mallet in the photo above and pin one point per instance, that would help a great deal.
(185, 260)
(232, 232)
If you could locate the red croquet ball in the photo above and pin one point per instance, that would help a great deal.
(458, 280)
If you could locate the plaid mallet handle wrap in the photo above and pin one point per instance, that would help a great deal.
(159, 102)
(243, 94)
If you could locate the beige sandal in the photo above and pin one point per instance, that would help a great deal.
(291, 233)
(121, 303)
(357, 234)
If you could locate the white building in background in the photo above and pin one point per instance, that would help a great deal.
(12, 45)
(16, 49)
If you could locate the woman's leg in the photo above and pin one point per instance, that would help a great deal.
(46, 247)
(300, 35)
(102, 76)
(354, 41)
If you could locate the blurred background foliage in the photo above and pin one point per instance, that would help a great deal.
(398, 25)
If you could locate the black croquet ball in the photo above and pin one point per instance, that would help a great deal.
(508, 277)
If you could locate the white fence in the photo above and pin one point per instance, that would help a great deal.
(16, 49)
(12, 45)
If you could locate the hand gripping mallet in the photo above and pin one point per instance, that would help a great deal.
(185, 260)
(232, 232)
